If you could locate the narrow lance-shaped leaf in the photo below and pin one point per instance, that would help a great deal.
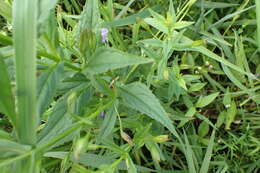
(47, 85)
(204, 101)
(203, 129)
(130, 165)
(108, 124)
(53, 125)
(45, 7)
(105, 59)
(7, 105)
(4, 135)
(5, 10)
(209, 4)
(11, 146)
(230, 115)
(189, 155)
(205, 164)
(88, 26)
(139, 97)
(95, 161)
(90, 16)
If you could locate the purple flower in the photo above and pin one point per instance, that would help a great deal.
(102, 114)
(104, 33)
(257, 75)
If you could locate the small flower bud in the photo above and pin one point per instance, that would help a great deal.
(227, 106)
(126, 137)
(161, 138)
(207, 63)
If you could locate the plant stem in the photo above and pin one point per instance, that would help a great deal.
(25, 24)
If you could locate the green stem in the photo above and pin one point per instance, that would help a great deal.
(25, 38)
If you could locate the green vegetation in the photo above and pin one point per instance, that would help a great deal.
(166, 86)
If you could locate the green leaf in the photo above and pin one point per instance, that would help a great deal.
(90, 17)
(204, 101)
(156, 24)
(132, 19)
(47, 86)
(230, 115)
(57, 122)
(214, 56)
(203, 129)
(7, 145)
(196, 87)
(83, 101)
(221, 119)
(6, 40)
(209, 4)
(105, 59)
(5, 10)
(4, 135)
(139, 97)
(189, 114)
(130, 165)
(100, 85)
(124, 10)
(7, 104)
(108, 124)
(189, 155)
(88, 27)
(227, 17)
(154, 150)
(231, 76)
(258, 21)
(95, 160)
(206, 161)
(216, 38)
(227, 98)
(187, 45)
(182, 24)
(45, 7)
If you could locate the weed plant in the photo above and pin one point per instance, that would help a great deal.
(137, 86)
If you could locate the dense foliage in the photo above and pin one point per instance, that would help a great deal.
(167, 86)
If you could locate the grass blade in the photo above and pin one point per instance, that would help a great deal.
(206, 161)
(257, 3)
(7, 145)
(189, 155)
